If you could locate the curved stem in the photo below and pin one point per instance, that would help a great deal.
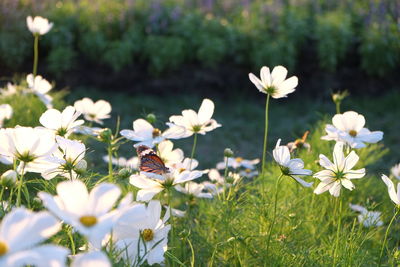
(386, 234)
(35, 54)
(71, 239)
(265, 134)
(193, 150)
(274, 214)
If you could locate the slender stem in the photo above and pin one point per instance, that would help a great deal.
(265, 134)
(110, 167)
(171, 218)
(21, 181)
(274, 214)
(337, 107)
(35, 54)
(386, 234)
(225, 177)
(71, 239)
(337, 232)
(193, 150)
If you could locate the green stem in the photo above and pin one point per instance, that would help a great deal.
(35, 54)
(193, 150)
(265, 134)
(71, 239)
(274, 214)
(225, 177)
(21, 181)
(110, 167)
(337, 232)
(171, 218)
(337, 107)
(386, 234)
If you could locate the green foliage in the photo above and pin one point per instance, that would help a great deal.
(61, 59)
(164, 53)
(118, 34)
(334, 35)
(380, 49)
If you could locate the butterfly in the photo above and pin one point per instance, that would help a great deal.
(149, 161)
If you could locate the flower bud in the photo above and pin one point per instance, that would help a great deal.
(151, 118)
(124, 173)
(8, 178)
(339, 96)
(105, 135)
(228, 153)
(81, 166)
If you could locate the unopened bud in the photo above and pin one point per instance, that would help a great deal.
(339, 96)
(81, 166)
(8, 178)
(228, 153)
(124, 173)
(151, 118)
(105, 135)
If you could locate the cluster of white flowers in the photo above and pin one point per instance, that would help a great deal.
(137, 227)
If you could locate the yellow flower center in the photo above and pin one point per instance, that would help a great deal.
(3, 248)
(147, 235)
(156, 132)
(182, 170)
(248, 170)
(239, 159)
(353, 133)
(88, 220)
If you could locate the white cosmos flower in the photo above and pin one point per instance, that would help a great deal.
(144, 239)
(40, 87)
(38, 25)
(200, 122)
(237, 163)
(290, 167)
(21, 233)
(144, 133)
(193, 189)
(91, 259)
(274, 84)
(395, 170)
(31, 146)
(395, 197)
(366, 217)
(349, 128)
(63, 123)
(9, 90)
(131, 163)
(248, 173)
(88, 213)
(339, 173)
(218, 183)
(65, 160)
(151, 184)
(169, 155)
(85, 130)
(93, 111)
(6, 112)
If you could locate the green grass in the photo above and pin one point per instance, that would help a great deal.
(242, 119)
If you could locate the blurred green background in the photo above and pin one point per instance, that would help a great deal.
(207, 45)
(163, 56)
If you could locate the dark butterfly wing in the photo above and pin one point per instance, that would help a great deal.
(149, 161)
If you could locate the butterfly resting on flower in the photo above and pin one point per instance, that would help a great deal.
(150, 162)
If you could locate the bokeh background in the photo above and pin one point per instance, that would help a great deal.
(162, 56)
